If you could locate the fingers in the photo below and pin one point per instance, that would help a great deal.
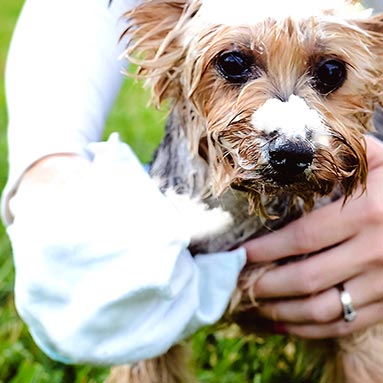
(366, 316)
(325, 307)
(314, 274)
(321, 308)
(319, 229)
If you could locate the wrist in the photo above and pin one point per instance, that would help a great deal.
(55, 169)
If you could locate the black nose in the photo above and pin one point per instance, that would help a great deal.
(290, 158)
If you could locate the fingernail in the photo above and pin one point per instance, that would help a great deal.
(279, 328)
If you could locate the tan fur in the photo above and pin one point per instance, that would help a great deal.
(168, 368)
(355, 358)
(214, 117)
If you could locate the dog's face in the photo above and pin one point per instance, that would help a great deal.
(282, 101)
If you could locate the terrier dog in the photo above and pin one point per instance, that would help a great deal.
(269, 105)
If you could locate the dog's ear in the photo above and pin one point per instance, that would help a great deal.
(156, 31)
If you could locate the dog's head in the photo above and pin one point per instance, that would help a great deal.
(279, 93)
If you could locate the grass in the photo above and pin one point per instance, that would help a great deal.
(220, 357)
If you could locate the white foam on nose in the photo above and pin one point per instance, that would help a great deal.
(293, 119)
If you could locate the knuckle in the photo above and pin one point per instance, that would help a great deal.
(303, 238)
(318, 313)
(307, 280)
(374, 257)
(376, 286)
(342, 329)
(372, 212)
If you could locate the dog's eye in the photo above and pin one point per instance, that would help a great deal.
(330, 75)
(234, 66)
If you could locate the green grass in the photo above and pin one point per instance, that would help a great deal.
(221, 357)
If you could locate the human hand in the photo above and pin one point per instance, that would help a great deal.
(352, 237)
(80, 244)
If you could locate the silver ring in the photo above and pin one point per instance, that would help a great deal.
(349, 314)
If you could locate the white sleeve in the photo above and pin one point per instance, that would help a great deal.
(103, 274)
(62, 76)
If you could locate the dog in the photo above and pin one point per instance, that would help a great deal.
(269, 103)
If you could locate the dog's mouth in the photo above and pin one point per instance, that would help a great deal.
(296, 174)
(274, 184)
(286, 180)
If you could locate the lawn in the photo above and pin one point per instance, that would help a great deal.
(220, 357)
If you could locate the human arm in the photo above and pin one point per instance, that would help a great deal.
(62, 76)
(103, 274)
(353, 237)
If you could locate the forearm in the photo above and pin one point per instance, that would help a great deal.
(62, 77)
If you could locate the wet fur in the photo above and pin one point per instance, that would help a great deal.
(210, 120)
